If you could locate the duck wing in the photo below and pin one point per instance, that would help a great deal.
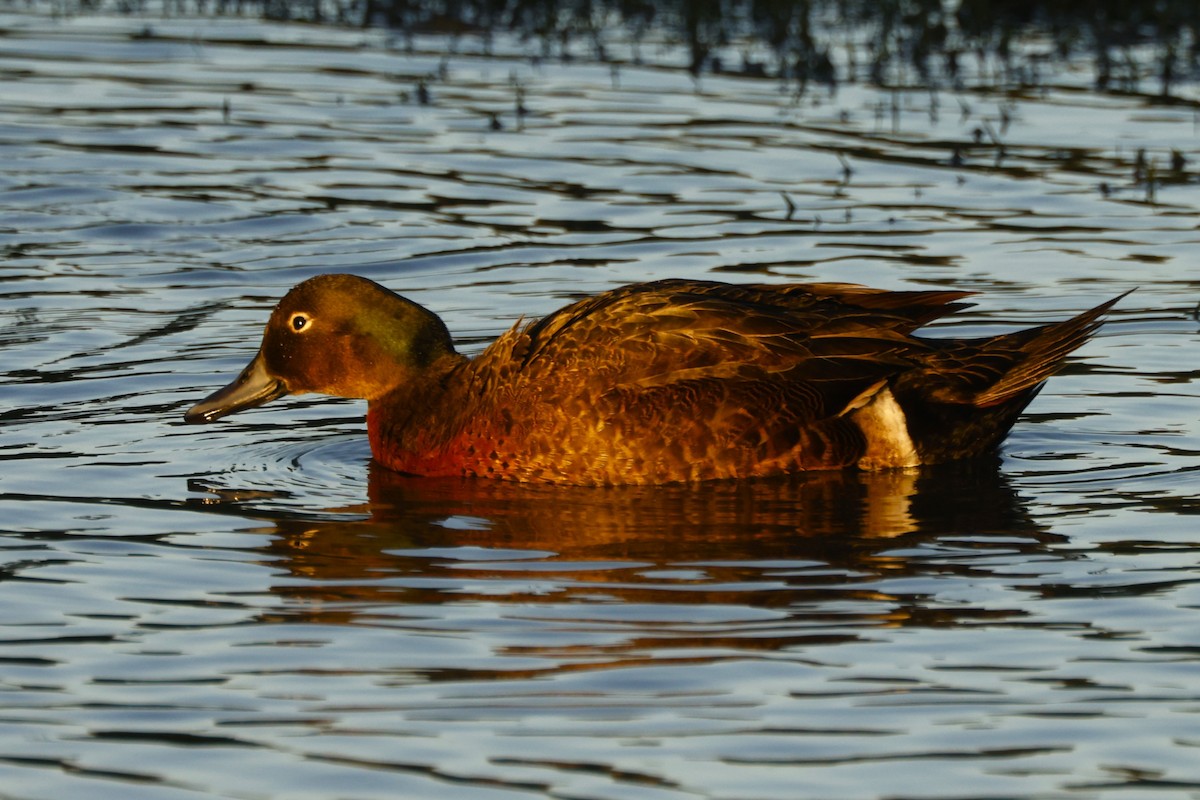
(654, 334)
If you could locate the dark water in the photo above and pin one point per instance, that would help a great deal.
(249, 610)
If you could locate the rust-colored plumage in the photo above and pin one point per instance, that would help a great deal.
(674, 380)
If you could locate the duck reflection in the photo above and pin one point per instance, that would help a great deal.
(765, 544)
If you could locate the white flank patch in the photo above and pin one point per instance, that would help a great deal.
(885, 427)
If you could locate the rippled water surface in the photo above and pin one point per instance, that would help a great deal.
(251, 610)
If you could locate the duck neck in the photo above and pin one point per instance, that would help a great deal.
(418, 415)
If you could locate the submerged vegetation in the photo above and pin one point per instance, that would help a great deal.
(885, 42)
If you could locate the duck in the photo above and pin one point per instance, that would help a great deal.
(669, 381)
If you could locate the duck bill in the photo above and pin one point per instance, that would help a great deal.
(254, 387)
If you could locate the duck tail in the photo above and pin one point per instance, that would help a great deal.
(969, 393)
(1037, 353)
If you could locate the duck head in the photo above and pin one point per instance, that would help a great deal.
(339, 335)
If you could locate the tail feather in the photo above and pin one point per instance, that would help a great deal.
(969, 393)
(1040, 353)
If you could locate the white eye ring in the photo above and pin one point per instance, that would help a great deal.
(299, 322)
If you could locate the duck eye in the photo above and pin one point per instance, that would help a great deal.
(299, 322)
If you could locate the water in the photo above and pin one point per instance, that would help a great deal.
(250, 610)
